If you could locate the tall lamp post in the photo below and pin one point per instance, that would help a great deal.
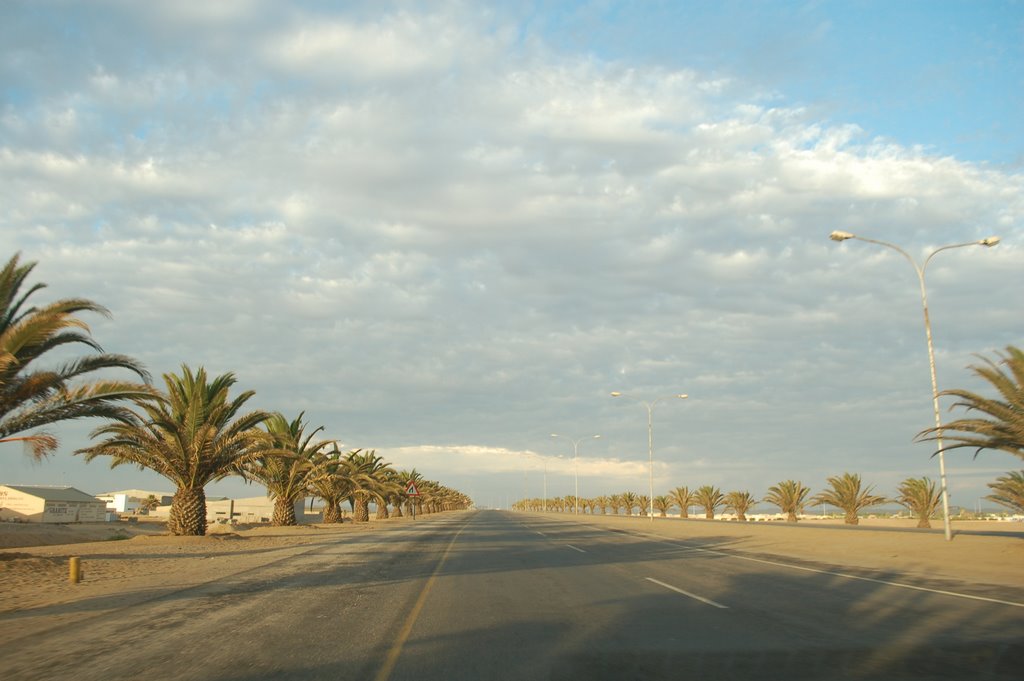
(650, 437)
(575, 466)
(920, 270)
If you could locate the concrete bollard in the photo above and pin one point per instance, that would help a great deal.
(75, 570)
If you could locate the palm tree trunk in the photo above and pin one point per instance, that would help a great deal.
(188, 513)
(332, 512)
(709, 513)
(923, 522)
(361, 510)
(685, 513)
(791, 518)
(852, 519)
(382, 510)
(284, 513)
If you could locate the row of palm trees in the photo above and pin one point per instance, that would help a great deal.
(995, 424)
(193, 432)
(846, 492)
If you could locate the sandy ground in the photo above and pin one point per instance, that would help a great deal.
(34, 568)
(128, 561)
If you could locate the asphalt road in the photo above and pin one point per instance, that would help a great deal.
(492, 595)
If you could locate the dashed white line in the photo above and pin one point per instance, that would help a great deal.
(575, 548)
(687, 593)
(845, 575)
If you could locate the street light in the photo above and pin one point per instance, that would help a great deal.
(650, 437)
(575, 467)
(920, 270)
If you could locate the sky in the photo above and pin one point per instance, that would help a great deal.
(447, 230)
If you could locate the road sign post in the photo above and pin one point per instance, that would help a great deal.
(412, 491)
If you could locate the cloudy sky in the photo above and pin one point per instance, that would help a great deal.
(446, 231)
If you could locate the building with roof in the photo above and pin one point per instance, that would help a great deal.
(131, 500)
(46, 504)
(247, 510)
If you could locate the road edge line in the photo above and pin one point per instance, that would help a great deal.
(384, 673)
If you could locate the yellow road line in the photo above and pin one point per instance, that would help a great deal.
(403, 635)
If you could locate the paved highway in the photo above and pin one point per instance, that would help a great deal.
(491, 595)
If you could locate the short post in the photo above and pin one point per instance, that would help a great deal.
(75, 570)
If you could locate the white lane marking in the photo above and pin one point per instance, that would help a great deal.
(575, 548)
(687, 593)
(840, 574)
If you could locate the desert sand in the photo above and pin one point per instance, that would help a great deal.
(119, 570)
(128, 561)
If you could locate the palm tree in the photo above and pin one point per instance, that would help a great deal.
(391, 491)
(149, 503)
(602, 503)
(741, 502)
(846, 493)
(341, 475)
(709, 498)
(920, 497)
(192, 435)
(374, 486)
(629, 501)
(404, 478)
(662, 503)
(437, 497)
(684, 499)
(615, 503)
(1000, 424)
(790, 496)
(643, 503)
(32, 397)
(1008, 491)
(288, 464)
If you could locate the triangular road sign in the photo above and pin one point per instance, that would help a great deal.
(410, 489)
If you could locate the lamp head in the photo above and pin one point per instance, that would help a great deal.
(596, 437)
(840, 236)
(616, 394)
(989, 241)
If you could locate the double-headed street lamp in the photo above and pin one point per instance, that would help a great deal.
(920, 270)
(575, 467)
(650, 437)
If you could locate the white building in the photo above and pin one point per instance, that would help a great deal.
(247, 510)
(129, 500)
(45, 504)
